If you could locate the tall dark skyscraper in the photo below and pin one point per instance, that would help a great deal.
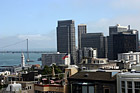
(121, 40)
(95, 40)
(66, 38)
(82, 29)
(124, 42)
(113, 30)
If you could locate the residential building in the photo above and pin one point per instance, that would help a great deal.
(56, 85)
(48, 88)
(97, 63)
(82, 29)
(129, 59)
(14, 88)
(5, 73)
(19, 87)
(57, 58)
(95, 40)
(92, 82)
(66, 38)
(30, 76)
(128, 82)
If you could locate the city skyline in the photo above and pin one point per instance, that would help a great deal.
(37, 20)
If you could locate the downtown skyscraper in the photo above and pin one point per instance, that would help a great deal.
(66, 38)
(121, 39)
(82, 29)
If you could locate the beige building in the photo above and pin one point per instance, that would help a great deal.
(60, 88)
(40, 88)
(97, 63)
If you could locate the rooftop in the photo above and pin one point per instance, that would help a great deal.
(103, 76)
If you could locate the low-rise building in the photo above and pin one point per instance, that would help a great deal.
(30, 76)
(96, 63)
(4, 73)
(48, 88)
(56, 86)
(129, 59)
(19, 87)
(128, 82)
(86, 53)
(57, 58)
(92, 82)
(13, 88)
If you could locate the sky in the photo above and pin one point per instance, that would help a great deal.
(37, 19)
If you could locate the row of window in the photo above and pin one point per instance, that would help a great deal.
(87, 89)
(129, 86)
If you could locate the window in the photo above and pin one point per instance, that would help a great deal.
(137, 84)
(137, 87)
(91, 89)
(106, 90)
(123, 86)
(82, 89)
(129, 86)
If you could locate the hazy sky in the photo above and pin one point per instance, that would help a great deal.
(37, 19)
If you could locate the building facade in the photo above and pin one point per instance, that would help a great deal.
(57, 58)
(82, 29)
(129, 59)
(95, 40)
(121, 39)
(128, 82)
(130, 56)
(92, 82)
(66, 38)
(86, 53)
(113, 30)
(125, 42)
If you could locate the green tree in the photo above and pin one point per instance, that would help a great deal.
(46, 70)
(57, 69)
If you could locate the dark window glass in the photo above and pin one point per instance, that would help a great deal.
(106, 91)
(129, 84)
(123, 90)
(123, 84)
(137, 84)
(129, 90)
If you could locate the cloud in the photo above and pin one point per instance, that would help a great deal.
(102, 25)
(34, 37)
(36, 42)
(125, 4)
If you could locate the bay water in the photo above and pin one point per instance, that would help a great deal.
(11, 59)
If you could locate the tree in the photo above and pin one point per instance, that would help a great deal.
(46, 70)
